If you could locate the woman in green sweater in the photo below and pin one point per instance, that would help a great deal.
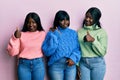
(93, 42)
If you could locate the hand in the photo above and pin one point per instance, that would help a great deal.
(53, 29)
(17, 33)
(70, 62)
(88, 37)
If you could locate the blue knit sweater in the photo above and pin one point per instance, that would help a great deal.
(63, 42)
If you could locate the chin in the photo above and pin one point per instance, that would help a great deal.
(32, 30)
(64, 27)
(88, 24)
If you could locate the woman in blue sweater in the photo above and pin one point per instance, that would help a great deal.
(62, 47)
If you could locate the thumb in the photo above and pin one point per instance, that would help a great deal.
(88, 33)
(17, 29)
(56, 27)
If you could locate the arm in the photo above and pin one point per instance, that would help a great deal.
(100, 45)
(50, 43)
(76, 53)
(13, 46)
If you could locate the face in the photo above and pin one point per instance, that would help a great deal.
(88, 20)
(32, 25)
(64, 23)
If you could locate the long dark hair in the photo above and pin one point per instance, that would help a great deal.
(60, 15)
(96, 15)
(34, 16)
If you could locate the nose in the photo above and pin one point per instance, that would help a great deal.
(88, 19)
(30, 24)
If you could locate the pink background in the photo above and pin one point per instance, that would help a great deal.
(13, 12)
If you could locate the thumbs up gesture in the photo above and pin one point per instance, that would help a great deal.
(88, 37)
(17, 33)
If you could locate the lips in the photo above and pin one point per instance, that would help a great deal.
(31, 28)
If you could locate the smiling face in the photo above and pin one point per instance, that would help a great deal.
(64, 23)
(89, 20)
(31, 25)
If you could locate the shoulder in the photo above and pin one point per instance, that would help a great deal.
(102, 31)
(53, 33)
(42, 32)
(80, 29)
(72, 30)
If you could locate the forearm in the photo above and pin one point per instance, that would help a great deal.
(13, 46)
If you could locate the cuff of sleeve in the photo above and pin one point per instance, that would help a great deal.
(14, 38)
(73, 59)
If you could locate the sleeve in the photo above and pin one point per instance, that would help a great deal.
(50, 43)
(76, 53)
(13, 46)
(99, 46)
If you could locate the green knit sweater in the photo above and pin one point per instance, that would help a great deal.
(97, 48)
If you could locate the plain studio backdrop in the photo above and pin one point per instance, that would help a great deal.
(13, 12)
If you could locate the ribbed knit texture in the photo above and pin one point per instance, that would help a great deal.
(61, 43)
(28, 46)
(98, 47)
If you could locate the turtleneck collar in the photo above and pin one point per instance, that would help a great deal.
(92, 27)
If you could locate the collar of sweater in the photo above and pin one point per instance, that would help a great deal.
(92, 27)
(62, 29)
